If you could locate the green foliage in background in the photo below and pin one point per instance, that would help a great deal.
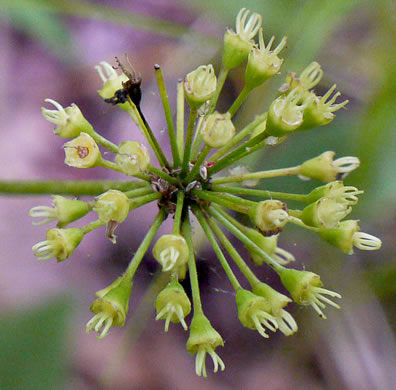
(33, 351)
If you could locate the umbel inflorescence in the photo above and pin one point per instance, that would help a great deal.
(189, 184)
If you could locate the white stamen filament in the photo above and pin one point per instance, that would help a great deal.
(43, 212)
(286, 323)
(282, 256)
(366, 242)
(346, 164)
(168, 258)
(247, 31)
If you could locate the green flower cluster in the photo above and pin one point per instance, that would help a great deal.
(188, 184)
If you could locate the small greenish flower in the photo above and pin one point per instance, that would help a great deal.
(262, 62)
(254, 312)
(113, 205)
(112, 81)
(60, 243)
(172, 305)
(286, 323)
(82, 152)
(64, 211)
(308, 79)
(320, 110)
(270, 246)
(270, 216)
(286, 113)
(112, 208)
(347, 235)
(325, 213)
(171, 251)
(111, 307)
(326, 169)
(69, 121)
(337, 191)
(132, 158)
(200, 85)
(237, 45)
(204, 339)
(306, 289)
(218, 130)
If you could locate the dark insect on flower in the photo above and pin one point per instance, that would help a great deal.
(130, 88)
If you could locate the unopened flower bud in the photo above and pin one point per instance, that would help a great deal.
(262, 62)
(325, 213)
(60, 243)
(132, 157)
(82, 152)
(286, 323)
(172, 305)
(218, 130)
(347, 235)
(64, 211)
(269, 216)
(320, 110)
(171, 251)
(326, 169)
(237, 45)
(111, 307)
(254, 312)
(285, 114)
(69, 121)
(204, 339)
(337, 191)
(270, 246)
(200, 85)
(113, 205)
(306, 289)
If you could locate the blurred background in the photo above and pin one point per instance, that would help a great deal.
(49, 49)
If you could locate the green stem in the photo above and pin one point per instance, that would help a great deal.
(216, 212)
(235, 199)
(189, 137)
(209, 196)
(148, 133)
(104, 142)
(300, 223)
(239, 137)
(241, 151)
(260, 193)
(163, 175)
(200, 159)
(197, 139)
(180, 117)
(192, 267)
(258, 175)
(239, 100)
(168, 115)
(250, 276)
(220, 83)
(92, 226)
(65, 187)
(179, 213)
(216, 248)
(142, 200)
(113, 166)
(110, 165)
(138, 257)
(139, 192)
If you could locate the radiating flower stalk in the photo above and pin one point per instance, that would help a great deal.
(187, 184)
